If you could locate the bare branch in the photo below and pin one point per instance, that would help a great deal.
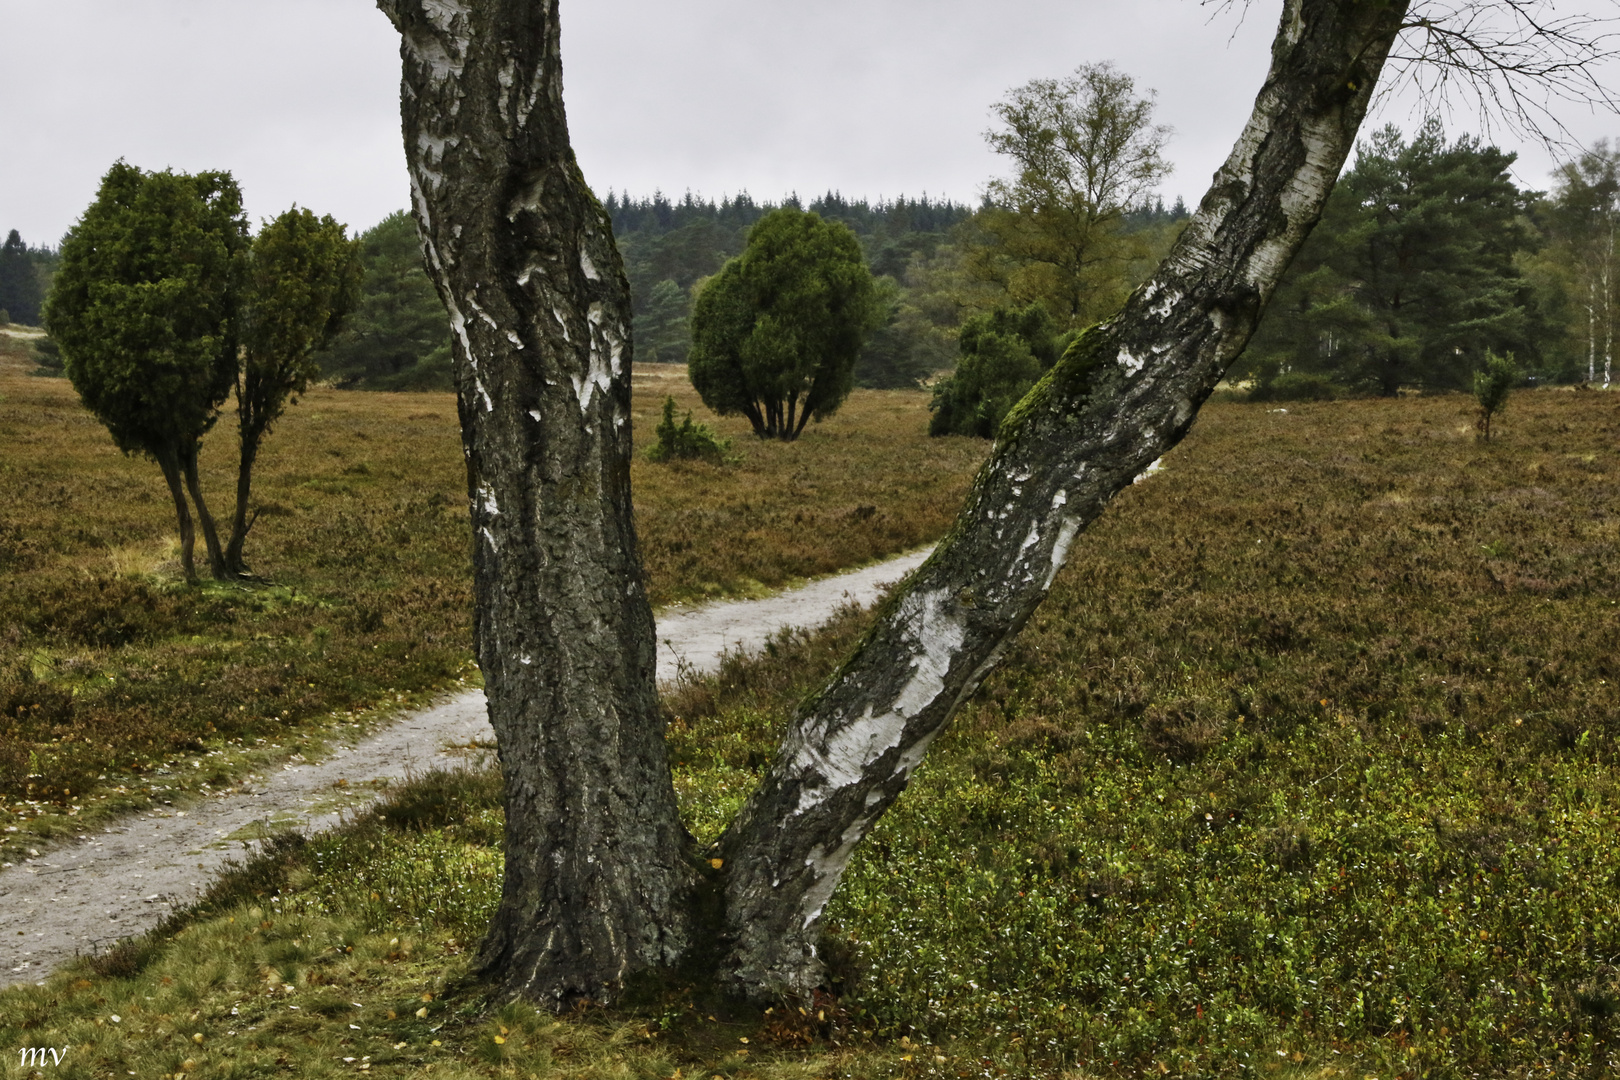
(1511, 61)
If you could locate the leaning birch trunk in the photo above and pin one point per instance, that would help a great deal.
(596, 884)
(1125, 393)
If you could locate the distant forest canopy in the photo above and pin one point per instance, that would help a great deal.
(1428, 258)
(25, 278)
(397, 338)
(670, 247)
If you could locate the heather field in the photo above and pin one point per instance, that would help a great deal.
(110, 666)
(1306, 769)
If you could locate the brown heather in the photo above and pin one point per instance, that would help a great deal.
(108, 664)
(1302, 771)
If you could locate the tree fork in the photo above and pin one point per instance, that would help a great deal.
(216, 554)
(240, 521)
(1125, 393)
(598, 875)
(169, 462)
(599, 880)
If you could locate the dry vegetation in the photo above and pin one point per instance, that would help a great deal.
(1305, 770)
(109, 665)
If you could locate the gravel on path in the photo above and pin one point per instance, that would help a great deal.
(82, 895)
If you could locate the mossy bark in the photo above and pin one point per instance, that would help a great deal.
(599, 879)
(1124, 393)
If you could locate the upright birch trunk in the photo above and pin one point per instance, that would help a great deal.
(1607, 280)
(522, 253)
(1591, 329)
(600, 879)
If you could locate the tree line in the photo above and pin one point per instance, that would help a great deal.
(1430, 259)
(397, 337)
(25, 279)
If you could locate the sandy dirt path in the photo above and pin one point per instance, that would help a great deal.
(81, 895)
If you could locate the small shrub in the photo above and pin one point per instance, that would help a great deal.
(49, 358)
(104, 612)
(1004, 352)
(1492, 384)
(687, 440)
(1296, 386)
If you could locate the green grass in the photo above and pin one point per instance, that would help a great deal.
(114, 675)
(1305, 770)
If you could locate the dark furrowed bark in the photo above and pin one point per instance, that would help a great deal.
(253, 417)
(597, 872)
(216, 554)
(240, 523)
(169, 461)
(1125, 393)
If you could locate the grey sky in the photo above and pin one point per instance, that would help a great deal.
(298, 98)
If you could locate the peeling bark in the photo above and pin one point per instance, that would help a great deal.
(523, 258)
(1125, 393)
(599, 877)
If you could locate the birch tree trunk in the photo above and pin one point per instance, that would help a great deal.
(1607, 280)
(1125, 393)
(522, 253)
(600, 879)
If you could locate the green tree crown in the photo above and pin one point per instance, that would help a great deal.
(144, 302)
(1411, 277)
(776, 332)
(1004, 352)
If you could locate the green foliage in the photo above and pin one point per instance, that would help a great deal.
(662, 336)
(1004, 352)
(1251, 782)
(1579, 268)
(685, 441)
(908, 347)
(1273, 384)
(1492, 384)
(669, 247)
(1084, 151)
(776, 333)
(1412, 275)
(302, 278)
(144, 303)
(48, 354)
(21, 290)
(398, 336)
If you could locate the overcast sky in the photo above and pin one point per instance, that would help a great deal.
(298, 98)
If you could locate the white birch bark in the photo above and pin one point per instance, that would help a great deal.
(1124, 394)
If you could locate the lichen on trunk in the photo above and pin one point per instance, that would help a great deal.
(600, 880)
(1125, 392)
(597, 876)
